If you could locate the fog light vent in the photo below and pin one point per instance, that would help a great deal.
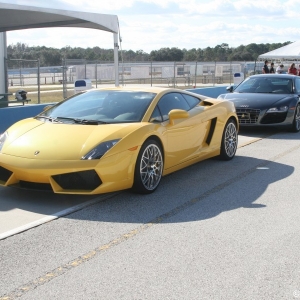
(84, 180)
(4, 174)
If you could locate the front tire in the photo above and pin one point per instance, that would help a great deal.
(296, 122)
(229, 141)
(148, 168)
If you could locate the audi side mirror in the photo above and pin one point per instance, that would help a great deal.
(229, 89)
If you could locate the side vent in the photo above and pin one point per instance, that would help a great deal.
(213, 123)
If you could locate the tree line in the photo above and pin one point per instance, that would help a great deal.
(53, 57)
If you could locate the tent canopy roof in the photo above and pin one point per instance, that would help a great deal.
(16, 17)
(288, 52)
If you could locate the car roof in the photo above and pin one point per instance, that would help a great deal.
(139, 89)
(134, 88)
(274, 75)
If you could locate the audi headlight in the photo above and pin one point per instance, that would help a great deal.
(3, 138)
(278, 109)
(100, 150)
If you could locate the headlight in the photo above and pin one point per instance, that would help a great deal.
(278, 109)
(3, 138)
(100, 150)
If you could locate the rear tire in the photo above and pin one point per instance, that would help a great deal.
(148, 168)
(229, 140)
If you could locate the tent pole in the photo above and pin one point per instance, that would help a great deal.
(116, 59)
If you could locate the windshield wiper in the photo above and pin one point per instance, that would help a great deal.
(54, 120)
(83, 121)
(89, 122)
(76, 121)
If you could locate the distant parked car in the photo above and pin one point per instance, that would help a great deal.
(267, 100)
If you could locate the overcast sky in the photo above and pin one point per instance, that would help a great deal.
(153, 24)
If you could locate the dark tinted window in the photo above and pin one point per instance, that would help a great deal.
(172, 101)
(192, 101)
(156, 116)
(262, 84)
(104, 105)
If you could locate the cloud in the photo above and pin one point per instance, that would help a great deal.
(153, 24)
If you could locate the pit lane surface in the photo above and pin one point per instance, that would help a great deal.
(21, 210)
(216, 230)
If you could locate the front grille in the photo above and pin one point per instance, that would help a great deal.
(34, 186)
(247, 115)
(84, 180)
(273, 118)
(4, 174)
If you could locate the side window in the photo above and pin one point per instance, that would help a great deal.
(156, 116)
(297, 85)
(172, 101)
(192, 101)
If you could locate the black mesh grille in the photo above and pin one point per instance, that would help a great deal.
(84, 180)
(4, 174)
(35, 186)
(273, 118)
(247, 115)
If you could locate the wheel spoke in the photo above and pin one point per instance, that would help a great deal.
(230, 139)
(151, 167)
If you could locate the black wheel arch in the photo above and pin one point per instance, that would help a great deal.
(235, 120)
(158, 140)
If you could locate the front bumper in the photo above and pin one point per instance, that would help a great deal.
(257, 117)
(69, 177)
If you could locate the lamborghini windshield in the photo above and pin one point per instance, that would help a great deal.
(100, 107)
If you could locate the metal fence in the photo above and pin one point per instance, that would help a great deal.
(168, 73)
(53, 84)
(39, 82)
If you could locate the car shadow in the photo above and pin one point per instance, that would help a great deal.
(199, 192)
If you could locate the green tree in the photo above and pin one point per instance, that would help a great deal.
(222, 52)
(190, 55)
(208, 54)
(166, 54)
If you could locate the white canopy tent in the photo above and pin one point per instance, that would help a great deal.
(16, 17)
(288, 52)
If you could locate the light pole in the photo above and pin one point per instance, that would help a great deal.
(226, 47)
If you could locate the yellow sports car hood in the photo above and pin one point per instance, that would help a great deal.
(52, 141)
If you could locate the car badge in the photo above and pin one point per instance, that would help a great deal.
(36, 152)
(244, 105)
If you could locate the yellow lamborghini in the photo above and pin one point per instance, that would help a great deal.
(105, 140)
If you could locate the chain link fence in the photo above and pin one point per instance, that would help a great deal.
(166, 73)
(42, 84)
(53, 84)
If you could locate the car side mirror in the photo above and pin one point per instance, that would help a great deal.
(175, 114)
(229, 89)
